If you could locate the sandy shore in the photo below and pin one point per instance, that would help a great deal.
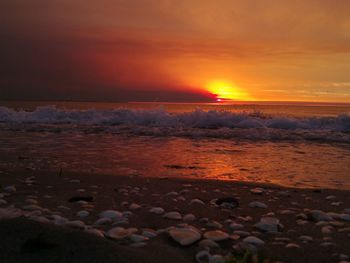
(53, 217)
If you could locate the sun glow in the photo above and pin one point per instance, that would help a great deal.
(224, 90)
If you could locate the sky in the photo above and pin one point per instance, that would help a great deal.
(175, 50)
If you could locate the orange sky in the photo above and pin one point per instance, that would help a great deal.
(180, 50)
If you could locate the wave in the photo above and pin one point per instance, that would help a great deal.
(220, 124)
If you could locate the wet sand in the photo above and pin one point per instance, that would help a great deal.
(302, 235)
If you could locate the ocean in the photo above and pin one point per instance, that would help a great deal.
(289, 144)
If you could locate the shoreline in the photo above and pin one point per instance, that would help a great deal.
(299, 234)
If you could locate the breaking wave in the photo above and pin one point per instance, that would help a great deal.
(198, 123)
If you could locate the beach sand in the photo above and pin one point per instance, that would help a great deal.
(37, 214)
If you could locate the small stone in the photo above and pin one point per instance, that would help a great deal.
(83, 213)
(95, 232)
(119, 233)
(189, 218)
(103, 221)
(185, 236)
(216, 235)
(10, 189)
(268, 224)
(327, 230)
(75, 224)
(241, 233)
(306, 238)
(196, 202)
(292, 245)
(318, 215)
(134, 206)
(257, 204)
(257, 191)
(173, 215)
(150, 233)
(156, 210)
(253, 240)
(227, 202)
(208, 243)
(331, 197)
(203, 256)
(217, 259)
(235, 226)
(112, 214)
(3, 202)
(138, 238)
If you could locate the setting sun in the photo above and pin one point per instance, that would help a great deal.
(224, 90)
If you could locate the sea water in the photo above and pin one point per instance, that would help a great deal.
(290, 144)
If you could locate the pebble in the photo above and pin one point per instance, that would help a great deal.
(156, 210)
(208, 243)
(185, 236)
(189, 218)
(216, 235)
(10, 189)
(3, 202)
(95, 232)
(306, 238)
(103, 221)
(83, 213)
(134, 206)
(235, 226)
(292, 245)
(327, 230)
(257, 204)
(318, 215)
(119, 233)
(75, 224)
(257, 191)
(138, 238)
(173, 215)
(150, 233)
(203, 256)
(268, 224)
(253, 240)
(196, 202)
(241, 233)
(112, 214)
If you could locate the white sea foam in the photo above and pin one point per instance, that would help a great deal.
(220, 124)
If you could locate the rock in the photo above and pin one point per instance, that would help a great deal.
(203, 256)
(292, 245)
(76, 181)
(173, 215)
(227, 202)
(112, 214)
(318, 215)
(3, 202)
(196, 202)
(156, 210)
(235, 226)
(327, 230)
(268, 224)
(217, 259)
(241, 233)
(134, 206)
(150, 233)
(306, 238)
(216, 235)
(31, 207)
(189, 218)
(10, 189)
(214, 224)
(253, 240)
(119, 233)
(95, 232)
(103, 221)
(208, 243)
(83, 213)
(331, 197)
(80, 198)
(257, 204)
(138, 238)
(257, 191)
(185, 236)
